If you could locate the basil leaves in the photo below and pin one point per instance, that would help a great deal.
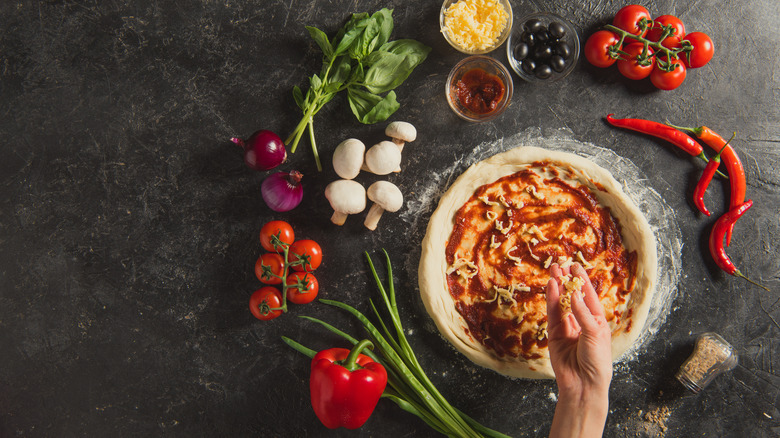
(362, 60)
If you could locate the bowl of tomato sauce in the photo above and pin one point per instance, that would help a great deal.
(479, 88)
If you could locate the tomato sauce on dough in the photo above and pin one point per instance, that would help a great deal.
(504, 239)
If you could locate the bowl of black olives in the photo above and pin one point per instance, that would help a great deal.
(543, 48)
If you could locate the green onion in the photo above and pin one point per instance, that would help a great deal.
(408, 385)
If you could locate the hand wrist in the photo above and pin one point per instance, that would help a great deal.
(580, 414)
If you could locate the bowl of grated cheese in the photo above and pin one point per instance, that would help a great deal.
(475, 26)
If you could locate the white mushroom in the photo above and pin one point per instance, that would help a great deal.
(386, 197)
(383, 158)
(346, 197)
(401, 132)
(348, 158)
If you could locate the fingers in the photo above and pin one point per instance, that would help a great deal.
(553, 295)
(583, 314)
(590, 297)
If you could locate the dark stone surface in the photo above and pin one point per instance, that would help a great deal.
(128, 222)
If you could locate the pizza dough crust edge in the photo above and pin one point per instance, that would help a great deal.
(635, 230)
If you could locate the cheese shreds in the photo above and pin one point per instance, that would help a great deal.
(488, 201)
(500, 227)
(504, 202)
(532, 191)
(491, 215)
(493, 243)
(475, 24)
(585, 263)
(517, 260)
(548, 262)
(505, 294)
(458, 266)
(570, 284)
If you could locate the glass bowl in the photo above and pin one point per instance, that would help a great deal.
(533, 48)
(485, 68)
(496, 43)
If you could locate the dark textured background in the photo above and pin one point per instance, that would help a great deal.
(128, 222)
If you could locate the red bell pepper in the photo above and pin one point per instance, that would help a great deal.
(345, 386)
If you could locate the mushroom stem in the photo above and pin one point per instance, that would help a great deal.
(400, 144)
(373, 216)
(339, 218)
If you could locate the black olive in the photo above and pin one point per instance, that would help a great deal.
(563, 49)
(543, 52)
(557, 63)
(521, 51)
(557, 30)
(528, 38)
(529, 66)
(533, 25)
(542, 36)
(543, 71)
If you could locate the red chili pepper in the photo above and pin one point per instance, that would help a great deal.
(706, 178)
(345, 386)
(733, 166)
(664, 132)
(716, 241)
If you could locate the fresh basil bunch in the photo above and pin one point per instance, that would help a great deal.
(362, 60)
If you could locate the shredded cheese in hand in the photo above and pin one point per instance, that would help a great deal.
(475, 24)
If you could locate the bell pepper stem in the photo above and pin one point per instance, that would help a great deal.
(350, 363)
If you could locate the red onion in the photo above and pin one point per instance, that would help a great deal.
(282, 191)
(263, 150)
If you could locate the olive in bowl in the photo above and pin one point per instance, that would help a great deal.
(543, 48)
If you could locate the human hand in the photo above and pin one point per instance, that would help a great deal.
(581, 356)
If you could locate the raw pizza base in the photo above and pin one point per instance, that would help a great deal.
(635, 231)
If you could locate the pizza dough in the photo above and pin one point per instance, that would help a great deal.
(635, 231)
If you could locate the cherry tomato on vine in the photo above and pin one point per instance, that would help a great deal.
(269, 268)
(702, 50)
(597, 48)
(265, 303)
(655, 32)
(306, 291)
(307, 250)
(631, 67)
(668, 80)
(629, 18)
(282, 228)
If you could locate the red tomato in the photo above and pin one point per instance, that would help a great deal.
(634, 66)
(280, 229)
(702, 50)
(265, 303)
(306, 291)
(308, 251)
(668, 80)
(269, 268)
(630, 17)
(599, 46)
(655, 32)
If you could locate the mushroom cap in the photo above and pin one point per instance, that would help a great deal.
(383, 158)
(387, 195)
(346, 196)
(402, 131)
(348, 158)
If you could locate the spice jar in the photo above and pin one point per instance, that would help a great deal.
(711, 356)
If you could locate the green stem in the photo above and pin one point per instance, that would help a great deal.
(656, 45)
(314, 144)
(350, 363)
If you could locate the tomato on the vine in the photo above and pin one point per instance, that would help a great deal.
(702, 50)
(634, 65)
(265, 303)
(302, 287)
(307, 251)
(280, 229)
(655, 32)
(599, 46)
(269, 268)
(629, 18)
(668, 80)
